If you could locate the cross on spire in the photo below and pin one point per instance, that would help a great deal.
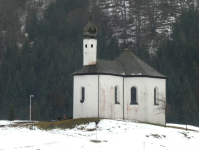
(90, 9)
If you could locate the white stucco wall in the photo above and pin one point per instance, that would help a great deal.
(89, 53)
(107, 106)
(155, 114)
(145, 111)
(136, 112)
(89, 108)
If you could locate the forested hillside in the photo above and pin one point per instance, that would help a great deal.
(41, 61)
(178, 58)
(45, 63)
(143, 21)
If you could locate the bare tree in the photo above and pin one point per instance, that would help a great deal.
(162, 108)
(138, 4)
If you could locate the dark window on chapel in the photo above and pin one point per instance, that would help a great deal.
(116, 95)
(86, 46)
(156, 96)
(133, 96)
(92, 45)
(82, 94)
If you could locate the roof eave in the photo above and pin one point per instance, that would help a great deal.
(149, 76)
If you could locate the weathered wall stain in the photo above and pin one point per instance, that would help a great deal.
(92, 63)
(135, 110)
(129, 109)
(103, 100)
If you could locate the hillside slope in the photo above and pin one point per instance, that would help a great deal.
(111, 134)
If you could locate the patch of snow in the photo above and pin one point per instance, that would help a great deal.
(5, 122)
(111, 134)
(19, 45)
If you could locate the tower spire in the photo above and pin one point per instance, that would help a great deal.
(90, 43)
(90, 30)
(90, 10)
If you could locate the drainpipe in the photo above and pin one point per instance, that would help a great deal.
(123, 98)
(98, 96)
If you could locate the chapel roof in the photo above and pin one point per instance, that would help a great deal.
(127, 64)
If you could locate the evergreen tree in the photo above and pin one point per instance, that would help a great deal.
(50, 54)
(178, 59)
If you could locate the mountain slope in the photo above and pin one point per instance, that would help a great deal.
(142, 21)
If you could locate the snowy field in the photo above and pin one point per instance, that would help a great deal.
(111, 134)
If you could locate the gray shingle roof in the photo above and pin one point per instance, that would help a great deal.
(127, 64)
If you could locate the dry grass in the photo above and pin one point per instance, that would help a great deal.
(180, 128)
(66, 124)
(98, 141)
(151, 124)
(156, 136)
(167, 126)
(17, 124)
(186, 135)
(91, 129)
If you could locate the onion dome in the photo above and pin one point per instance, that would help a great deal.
(90, 30)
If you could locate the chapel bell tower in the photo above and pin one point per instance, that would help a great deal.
(90, 44)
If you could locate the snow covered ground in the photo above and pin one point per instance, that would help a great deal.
(112, 134)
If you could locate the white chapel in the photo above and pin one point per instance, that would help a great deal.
(125, 88)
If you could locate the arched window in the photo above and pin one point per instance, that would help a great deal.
(156, 96)
(91, 45)
(82, 94)
(86, 46)
(117, 95)
(134, 96)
